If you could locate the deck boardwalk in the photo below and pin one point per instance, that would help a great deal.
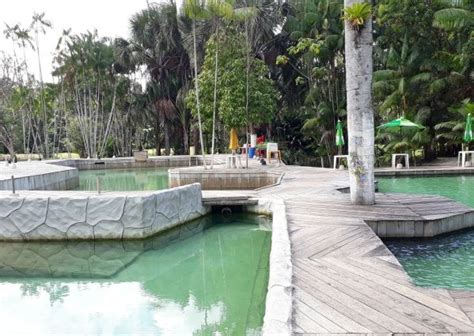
(345, 279)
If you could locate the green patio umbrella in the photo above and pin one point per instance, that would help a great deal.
(400, 123)
(468, 130)
(339, 136)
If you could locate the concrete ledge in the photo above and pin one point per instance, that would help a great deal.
(130, 162)
(64, 175)
(279, 301)
(224, 179)
(83, 215)
(425, 171)
(423, 228)
(47, 177)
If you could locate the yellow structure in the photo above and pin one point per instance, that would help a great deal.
(234, 140)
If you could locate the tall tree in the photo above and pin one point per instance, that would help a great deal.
(86, 67)
(232, 89)
(218, 10)
(360, 115)
(156, 44)
(195, 11)
(39, 25)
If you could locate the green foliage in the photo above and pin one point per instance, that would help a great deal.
(195, 9)
(451, 132)
(316, 59)
(453, 18)
(231, 85)
(357, 14)
(423, 63)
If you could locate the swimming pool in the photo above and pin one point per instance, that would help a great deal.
(460, 188)
(207, 277)
(446, 261)
(124, 179)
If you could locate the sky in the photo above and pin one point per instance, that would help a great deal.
(109, 17)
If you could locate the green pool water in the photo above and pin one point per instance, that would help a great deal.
(208, 277)
(124, 179)
(460, 188)
(446, 261)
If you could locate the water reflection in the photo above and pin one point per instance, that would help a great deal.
(209, 276)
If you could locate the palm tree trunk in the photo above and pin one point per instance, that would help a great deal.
(185, 138)
(166, 135)
(247, 86)
(157, 138)
(197, 95)
(216, 56)
(43, 103)
(360, 115)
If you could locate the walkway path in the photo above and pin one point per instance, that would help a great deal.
(345, 279)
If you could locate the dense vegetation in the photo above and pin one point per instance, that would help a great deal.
(274, 68)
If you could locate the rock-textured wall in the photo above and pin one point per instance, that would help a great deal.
(106, 216)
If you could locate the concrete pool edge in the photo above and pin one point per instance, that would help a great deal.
(64, 174)
(279, 299)
(72, 215)
(420, 171)
(221, 178)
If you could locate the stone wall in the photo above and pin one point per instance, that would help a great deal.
(72, 215)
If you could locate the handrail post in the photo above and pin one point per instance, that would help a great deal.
(13, 187)
(98, 184)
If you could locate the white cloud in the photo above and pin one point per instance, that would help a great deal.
(109, 17)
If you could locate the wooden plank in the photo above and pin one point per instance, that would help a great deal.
(306, 323)
(366, 315)
(376, 299)
(319, 319)
(346, 323)
(392, 300)
(408, 291)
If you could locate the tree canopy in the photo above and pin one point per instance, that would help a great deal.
(231, 85)
(277, 66)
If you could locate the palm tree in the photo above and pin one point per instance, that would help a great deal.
(39, 25)
(456, 15)
(400, 78)
(246, 14)
(217, 10)
(156, 43)
(360, 115)
(195, 11)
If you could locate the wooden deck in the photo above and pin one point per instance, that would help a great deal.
(345, 279)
